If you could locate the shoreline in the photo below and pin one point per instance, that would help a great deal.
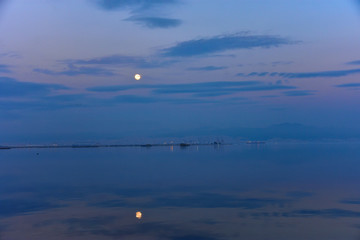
(182, 145)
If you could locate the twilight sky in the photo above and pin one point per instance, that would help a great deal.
(240, 68)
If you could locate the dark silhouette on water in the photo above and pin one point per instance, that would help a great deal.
(110, 145)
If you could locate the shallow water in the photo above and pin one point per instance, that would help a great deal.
(270, 191)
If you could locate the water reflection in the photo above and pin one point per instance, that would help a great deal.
(240, 192)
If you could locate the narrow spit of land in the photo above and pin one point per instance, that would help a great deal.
(113, 145)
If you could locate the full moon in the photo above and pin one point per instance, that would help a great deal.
(137, 77)
(138, 215)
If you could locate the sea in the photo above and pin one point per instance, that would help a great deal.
(272, 191)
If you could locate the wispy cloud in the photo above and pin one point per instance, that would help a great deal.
(336, 73)
(220, 43)
(27, 95)
(99, 66)
(131, 99)
(205, 88)
(134, 99)
(155, 22)
(205, 46)
(328, 213)
(191, 89)
(152, 230)
(348, 85)
(277, 63)
(73, 70)
(211, 94)
(298, 93)
(356, 62)
(203, 200)
(135, 5)
(307, 213)
(4, 68)
(10, 54)
(10, 87)
(123, 61)
(188, 87)
(13, 207)
(206, 68)
(351, 201)
(258, 74)
(144, 12)
(49, 103)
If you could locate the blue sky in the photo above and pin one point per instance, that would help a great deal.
(245, 69)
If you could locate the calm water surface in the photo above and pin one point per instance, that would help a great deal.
(271, 191)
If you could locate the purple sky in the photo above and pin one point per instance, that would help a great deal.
(245, 69)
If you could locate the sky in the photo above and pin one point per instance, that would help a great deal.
(238, 68)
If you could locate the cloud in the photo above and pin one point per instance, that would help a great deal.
(258, 74)
(155, 22)
(97, 227)
(325, 213)
(206, 68)
(143, 11)
(96, 66)
(73, 70)
(41, 96)
(10, 87)
(205, 88)
(298, 93)
(130, 99)
(221, 89)
(277, 63)
(201, 200)
(207, 200)
(4, 68)
(351, 201)
(356, 62)
(337, 73)
(187, 87)
(123, 61)
(299, 194)
(113, 59)
(348, 85)
(266, 88)
(116, 88)
(67, 101)
(134, 99)
(132, 4)
(211, 94)
(12, 207)
(17, 95)
(328, 213)
(10, 54)
(50, 102)
(220, 43)
(89, 223)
